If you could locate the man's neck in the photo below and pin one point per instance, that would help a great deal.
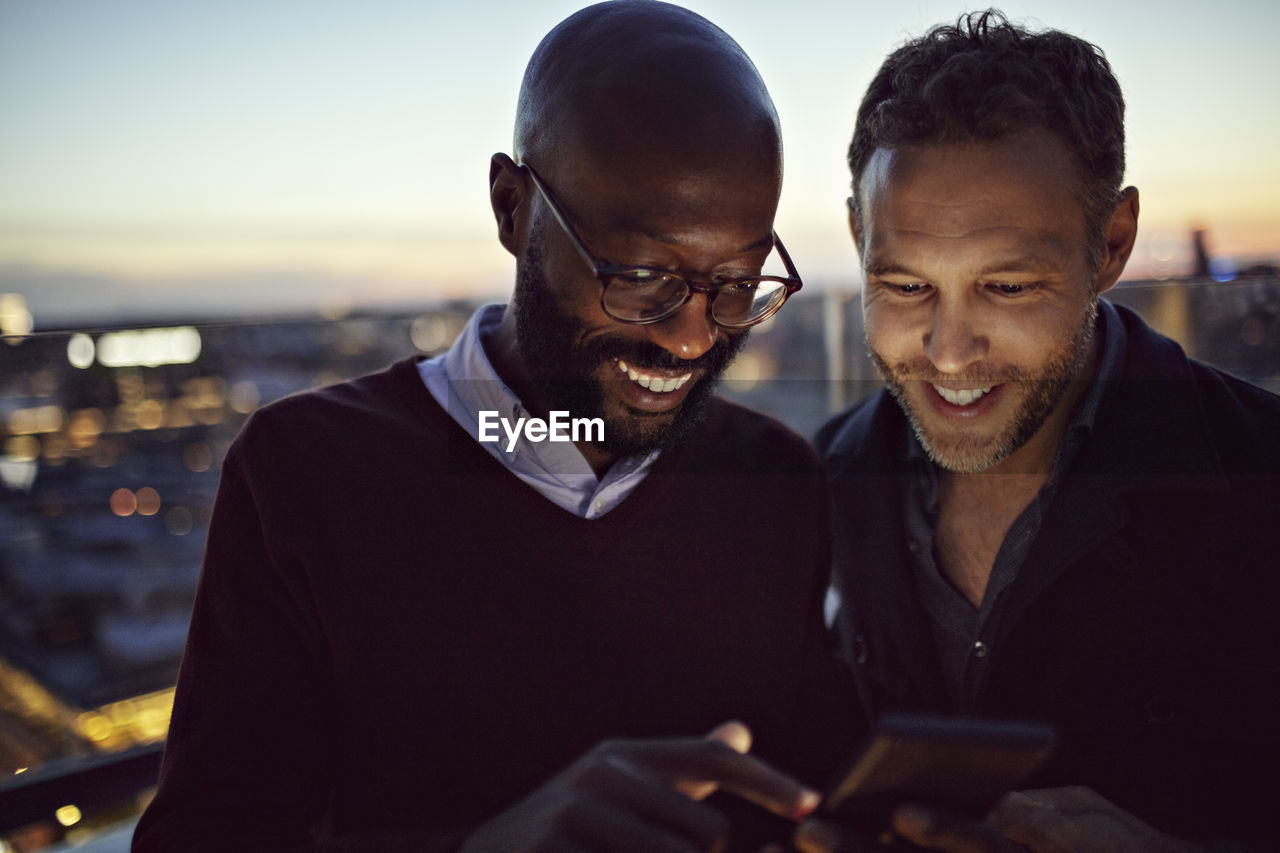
(975, 511)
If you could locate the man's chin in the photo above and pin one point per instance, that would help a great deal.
(629, 431)
(963, 456)
(637, 434)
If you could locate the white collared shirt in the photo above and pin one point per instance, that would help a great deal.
(463, 381)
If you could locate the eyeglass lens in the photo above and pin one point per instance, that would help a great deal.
(646, 297)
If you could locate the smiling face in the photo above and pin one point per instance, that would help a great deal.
(980, 301)
(647, 382)
(656, 136)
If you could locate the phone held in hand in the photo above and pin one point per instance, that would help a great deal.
(960, 764)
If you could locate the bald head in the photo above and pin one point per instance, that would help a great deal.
(631, 84)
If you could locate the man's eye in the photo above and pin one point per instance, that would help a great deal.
(909, 289)
(1009, 289)
(640, 278)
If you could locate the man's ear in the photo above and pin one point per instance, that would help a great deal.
(507, 193)
(1122, 230)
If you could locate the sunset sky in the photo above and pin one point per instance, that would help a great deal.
(296, 154)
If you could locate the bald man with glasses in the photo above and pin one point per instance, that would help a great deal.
(409, 637)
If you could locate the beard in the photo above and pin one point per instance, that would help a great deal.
(564, 365)
(960, 450)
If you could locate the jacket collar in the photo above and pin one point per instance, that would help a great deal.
(1150, 433)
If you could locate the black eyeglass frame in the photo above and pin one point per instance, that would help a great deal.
(605, 272)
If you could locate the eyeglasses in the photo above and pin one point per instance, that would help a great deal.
(641, 295)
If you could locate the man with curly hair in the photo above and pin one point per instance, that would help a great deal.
(1051, 512)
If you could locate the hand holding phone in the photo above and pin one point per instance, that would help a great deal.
(959, 764)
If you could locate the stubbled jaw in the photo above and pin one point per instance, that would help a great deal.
(962, 397)
(653, 382)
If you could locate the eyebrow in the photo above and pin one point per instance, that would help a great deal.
(883, 269)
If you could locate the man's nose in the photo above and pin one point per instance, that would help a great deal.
(953, 340)
(689, 332)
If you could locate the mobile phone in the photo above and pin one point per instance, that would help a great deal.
(960, 764)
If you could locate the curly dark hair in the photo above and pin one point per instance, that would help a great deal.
(985, 79)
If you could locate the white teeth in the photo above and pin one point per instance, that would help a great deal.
(650, 382)
(964, 396)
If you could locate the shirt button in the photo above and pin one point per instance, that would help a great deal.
(599, 505)
(980, 649)
(914, 546)
(860, 653)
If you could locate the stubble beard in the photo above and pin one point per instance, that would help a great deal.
(959, 450)
(565, 366)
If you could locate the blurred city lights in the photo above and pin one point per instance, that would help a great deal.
(149, 414)
(197, 457)
(1222, 269)
(81, 351)
(245, 397)
(179, 521)
(429, 333)
(148, 501)
(94, 726)
(40, 419)
(68, 815)
(130, 722)
(22, 448)
(149, 347)
(15, 319)
(124, 502)
(84, 427)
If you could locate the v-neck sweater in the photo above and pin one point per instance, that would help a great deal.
(394, 636)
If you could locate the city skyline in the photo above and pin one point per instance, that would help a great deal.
(327, 156)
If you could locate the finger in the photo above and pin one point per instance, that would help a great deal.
(937, 830)
(1033, 817)
(683, 761)
(1018, 808)
(650, 800)
(732, 734)
(753, 780)
(819, 836)
(599, 826)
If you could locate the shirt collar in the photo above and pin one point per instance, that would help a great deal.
(465, 376)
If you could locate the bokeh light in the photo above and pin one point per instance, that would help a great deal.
(148, 500)
(124, 502)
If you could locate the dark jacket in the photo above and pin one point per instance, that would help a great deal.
(1143, 623)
